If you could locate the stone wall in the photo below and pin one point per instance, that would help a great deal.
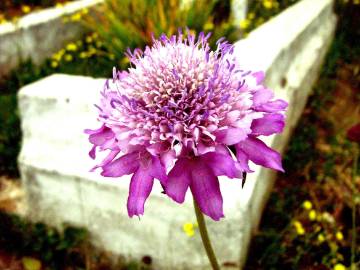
(54, 163)
(38, 35)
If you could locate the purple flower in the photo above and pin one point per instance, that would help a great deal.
(184, 115)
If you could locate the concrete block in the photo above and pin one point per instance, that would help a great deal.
(39, 34)
(55, 167)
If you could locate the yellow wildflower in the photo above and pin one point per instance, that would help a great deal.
(92, 51)
(299, 227)
(76, 17)
(208, 26)
(71, 47)
(54, 64)
(68, 57)
(268, 4)
(56, 57)
(188, 228)
(339, 236)
(244, 24)
(321, 238)
(251, 15)
(307, 205)
(85, 11)
(89, 39)
(312, 215)
(25, 9)
(339, 266)
(83, 55)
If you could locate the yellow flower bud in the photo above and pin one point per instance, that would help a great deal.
(71, 47)
(68, 57)
(25, 9)
(244, 24)
(54, 64)
(339, 266)
(321, 238)
(339, 236)
(312, 215)
(268, 4)
(307, 205)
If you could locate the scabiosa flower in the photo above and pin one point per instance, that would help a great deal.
(184, 115)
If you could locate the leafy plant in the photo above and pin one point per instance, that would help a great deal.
(131, 23)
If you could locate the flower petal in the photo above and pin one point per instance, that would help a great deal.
(124, 165)
(269, 124)
(179, 180)
(110, 157)
(230, 135)
(260, 154)
(243, 160)
(158, 148)
(259, 76)
(168, 158)
(273, 106)
(92, 152)
(221, 164)
(157, 170)
(262, 96)
(206, 191)
(94, 131)
(102, 136)
(140, 187)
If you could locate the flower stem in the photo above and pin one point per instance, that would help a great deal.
(205, 238)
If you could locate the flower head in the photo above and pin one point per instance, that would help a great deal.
(184, 114)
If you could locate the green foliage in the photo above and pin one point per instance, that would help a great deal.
(69, 249)
(9, 135)
(27, 239)
(131, 23)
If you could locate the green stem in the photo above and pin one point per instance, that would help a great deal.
(205, 238)
(354, 193)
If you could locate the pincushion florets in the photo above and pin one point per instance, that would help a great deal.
(175, 115)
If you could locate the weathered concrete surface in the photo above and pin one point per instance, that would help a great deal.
(290, 48)
(39, 34)
(54, 163)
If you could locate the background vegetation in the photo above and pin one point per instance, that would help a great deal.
(307, 223)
